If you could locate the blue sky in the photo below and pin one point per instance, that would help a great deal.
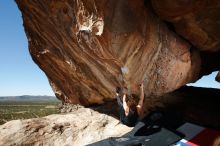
(19, 75)
(207, 81)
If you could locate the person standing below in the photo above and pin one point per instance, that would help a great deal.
(130, 106)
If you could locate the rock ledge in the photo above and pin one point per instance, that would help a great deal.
(81, 127)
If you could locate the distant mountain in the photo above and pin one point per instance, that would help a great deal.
(28, 98)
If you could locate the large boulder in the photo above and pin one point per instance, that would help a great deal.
(217, 78)
(89, 47)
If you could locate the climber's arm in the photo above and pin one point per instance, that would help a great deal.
(140, 103)
(125, 106)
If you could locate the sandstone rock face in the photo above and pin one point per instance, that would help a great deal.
(210, 61)
(81, 127)
(217, 78)
(88, 47)
(197, 21)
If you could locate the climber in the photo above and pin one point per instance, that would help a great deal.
(130, 106)
(131, 109)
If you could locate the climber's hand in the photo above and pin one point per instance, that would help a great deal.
(142, 86)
